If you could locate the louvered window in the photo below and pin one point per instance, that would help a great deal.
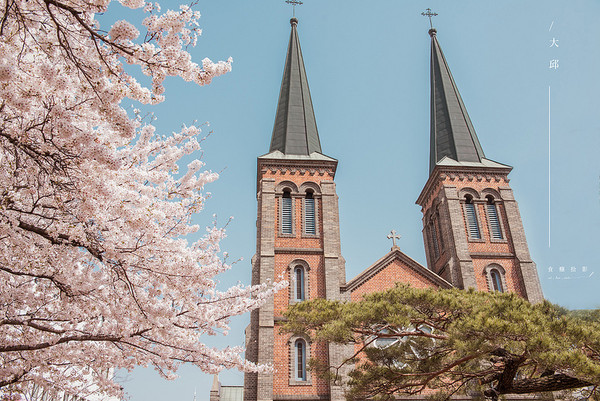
(472, 224)
(310, 226)
(492, 214)
(286, 213)
(299, 291)
(300, 348)
(496, 280)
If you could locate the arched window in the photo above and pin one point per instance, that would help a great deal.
(310, 226)
(300, 359)
(299, 278)
(434, 239)
(411, 346)
(494, 221)
(286, 213)
(471, 217)
(299, 284)
(496, 277)
(496, 280)
(438, 227)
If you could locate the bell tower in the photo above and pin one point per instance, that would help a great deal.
(298, 238)
(472, 227)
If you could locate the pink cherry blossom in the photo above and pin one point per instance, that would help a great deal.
(97, 271)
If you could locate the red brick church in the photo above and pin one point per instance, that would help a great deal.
(472, 231)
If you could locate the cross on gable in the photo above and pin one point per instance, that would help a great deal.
(393, 236)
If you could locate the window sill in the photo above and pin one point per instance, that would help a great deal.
(282, 235)
(294, 382)
(304, 235)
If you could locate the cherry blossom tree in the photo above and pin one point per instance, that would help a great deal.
(97, 271)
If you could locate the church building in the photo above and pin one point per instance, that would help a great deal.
(472, 231)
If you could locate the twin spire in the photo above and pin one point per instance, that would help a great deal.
(452, 133)
(295, 131)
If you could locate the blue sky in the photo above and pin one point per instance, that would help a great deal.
(368, 69)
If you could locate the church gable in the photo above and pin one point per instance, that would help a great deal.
(394, 267)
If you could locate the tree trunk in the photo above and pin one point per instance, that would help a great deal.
(554, 382)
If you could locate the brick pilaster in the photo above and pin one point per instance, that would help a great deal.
(461, 264)
(529, 274)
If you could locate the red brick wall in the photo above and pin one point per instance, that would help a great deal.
(284, 370)
(315, 287)
(395, 272)
(486, 245)
(315, 283)
(512, 277)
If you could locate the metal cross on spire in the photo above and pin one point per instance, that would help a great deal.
(294, 3)
(393, 236)
(428, 13)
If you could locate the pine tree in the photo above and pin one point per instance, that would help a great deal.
(445, 342)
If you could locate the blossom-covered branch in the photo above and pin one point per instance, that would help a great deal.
(96, 268)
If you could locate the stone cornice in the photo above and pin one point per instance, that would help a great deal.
(491, 255)
(318, 251)
(300, 166)
(461, 173)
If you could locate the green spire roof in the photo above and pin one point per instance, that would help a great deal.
(295, 131)
(452, 134)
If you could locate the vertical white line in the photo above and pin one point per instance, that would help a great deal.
(549, 180)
